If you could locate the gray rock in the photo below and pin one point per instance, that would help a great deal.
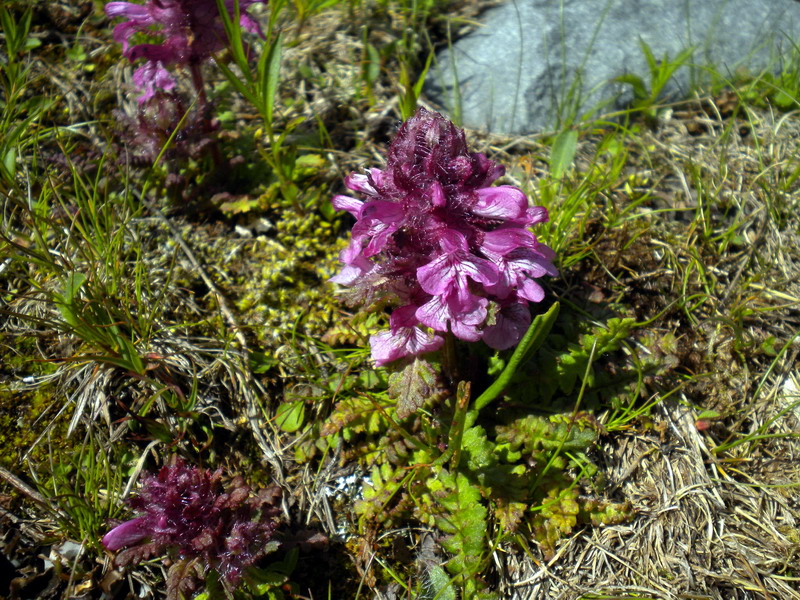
(537, 64)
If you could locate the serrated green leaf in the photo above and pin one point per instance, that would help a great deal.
(510, 514)
(534, 434)
(240, 206)
(477, 449)
(461, 515)
(310, 161)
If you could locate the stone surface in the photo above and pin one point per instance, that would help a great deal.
(537, 63)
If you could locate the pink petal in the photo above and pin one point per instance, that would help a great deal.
(126, 534)
(511, 324)
(505, 240)
(349, 204)
(437, 277)
(127, 9)
(501, 202)
(250, 25)
(350, 273)
(359, 182)
(405, 316)
(530, 290)
(463, 314)
(352, 254)
(379, 219)
(537, 214)
(450, 270)
(150, 77)
(388, 346)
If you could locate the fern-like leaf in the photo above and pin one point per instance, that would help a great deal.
(462, 517)
(537, 436)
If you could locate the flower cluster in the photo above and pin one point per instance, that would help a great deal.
(454, 252)
(149, 132)
(191, 32)
(187, 510)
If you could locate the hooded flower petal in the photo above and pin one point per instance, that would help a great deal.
(349, 204)
(151, 77)
(379, 220)
(351, 273)
(537, 214)
(518, 271)
(503, 241)
(449, 270)
(460, 315)
(388, 346)
(511, 323)
(127, 534)
(364, 183)
(503, 202)
(133, 11)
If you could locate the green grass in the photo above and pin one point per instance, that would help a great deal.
(144, 318)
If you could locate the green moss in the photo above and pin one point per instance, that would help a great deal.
(21, 356)
(285, 289)
(19, 430)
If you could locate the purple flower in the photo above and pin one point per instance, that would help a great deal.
(190, 30)
(431, 233)
(189, 511)
(403, 339)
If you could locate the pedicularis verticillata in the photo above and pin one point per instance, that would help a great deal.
(454, 253)
(188, 511)
(190, 30)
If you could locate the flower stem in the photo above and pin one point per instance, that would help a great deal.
(450, 360)
(204, 109)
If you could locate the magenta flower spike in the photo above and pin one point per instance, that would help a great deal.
(189, 511)
(454, 253)
(190, 31)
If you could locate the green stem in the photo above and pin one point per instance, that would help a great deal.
(528, 345)
(450, 359)
(457, 428)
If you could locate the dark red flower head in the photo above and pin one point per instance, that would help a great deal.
(188, 510)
